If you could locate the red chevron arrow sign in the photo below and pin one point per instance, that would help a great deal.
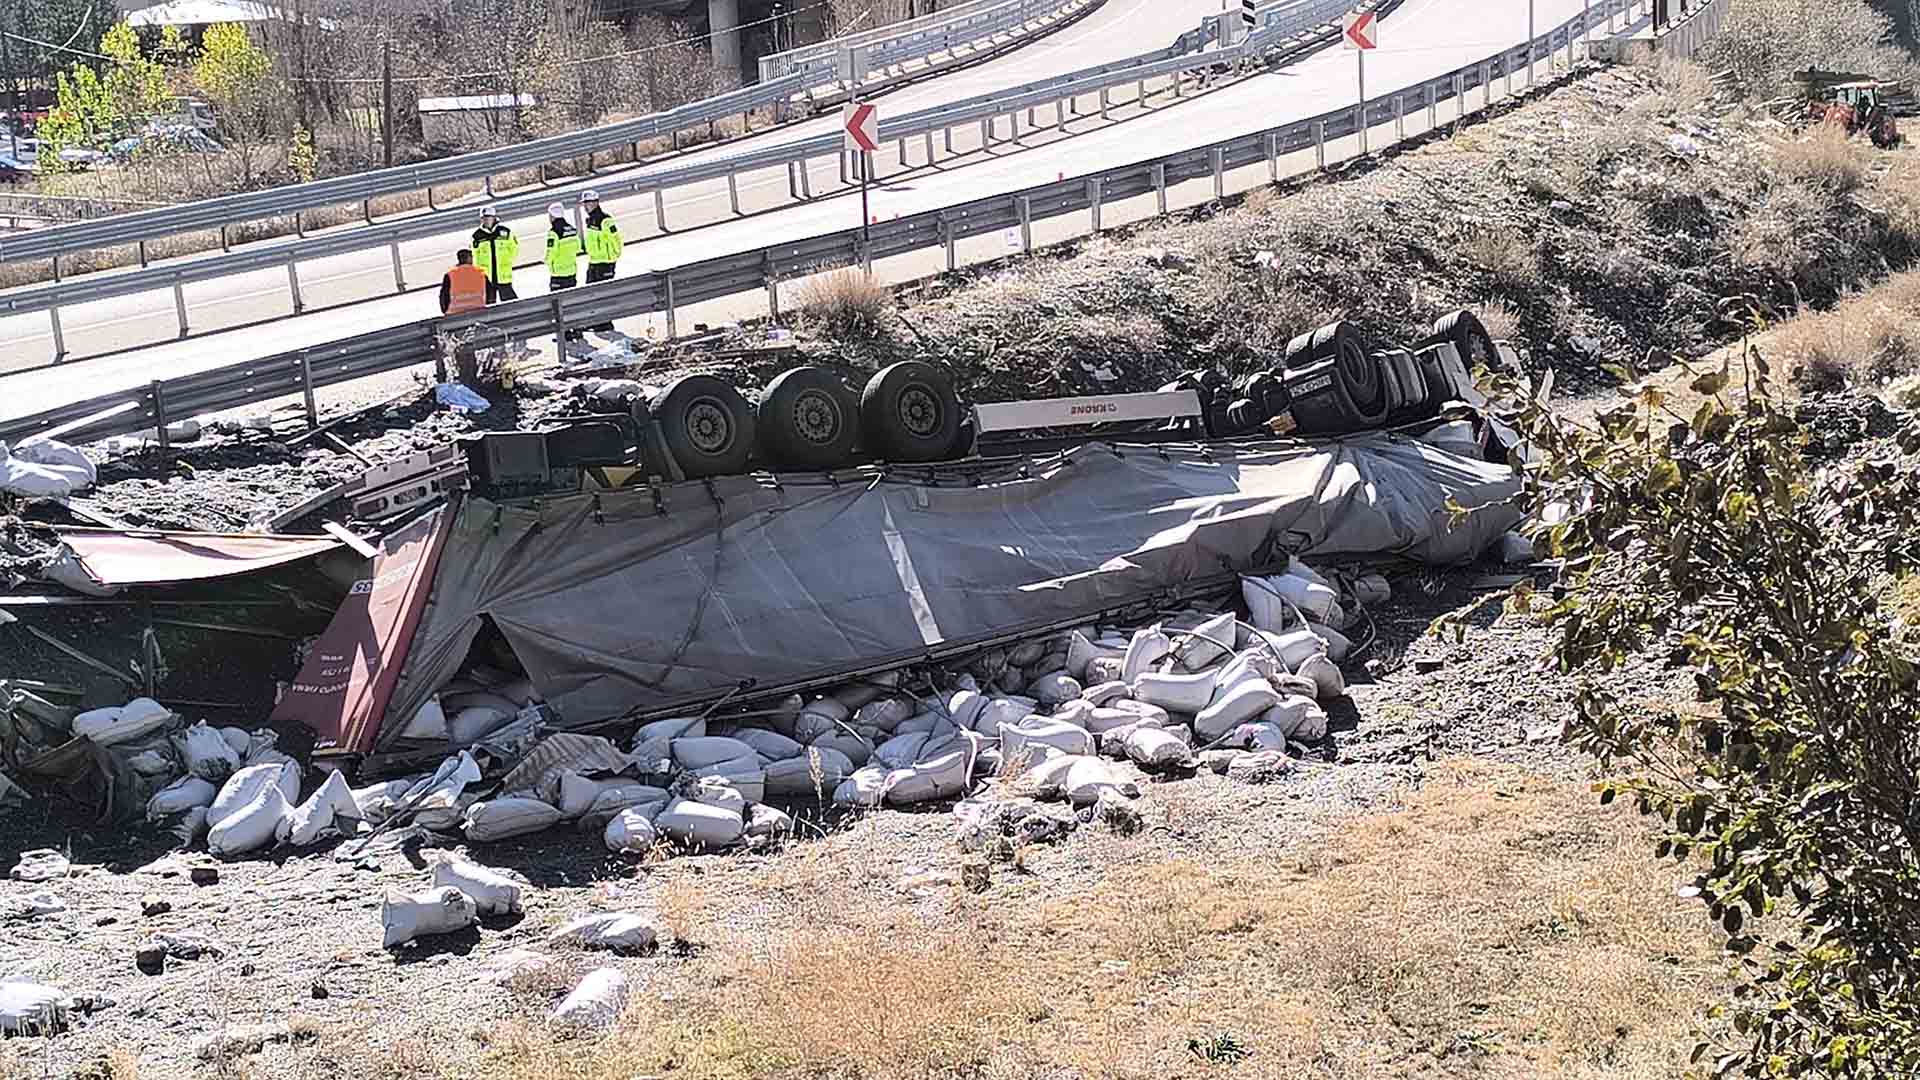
(1362, 30)
(862, 123)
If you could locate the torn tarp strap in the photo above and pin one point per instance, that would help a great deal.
(636, 611)
(117, 558)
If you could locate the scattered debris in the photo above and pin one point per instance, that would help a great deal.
(239, 1040)
(41, 865)
(617, 932)
(593, 1005)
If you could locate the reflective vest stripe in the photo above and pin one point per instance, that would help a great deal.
(494, 253)
(466, 289)
(563, 253)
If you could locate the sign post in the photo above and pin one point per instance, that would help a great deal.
(1361, 34)
(861, 125)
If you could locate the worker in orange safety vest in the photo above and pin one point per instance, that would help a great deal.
(464, 287)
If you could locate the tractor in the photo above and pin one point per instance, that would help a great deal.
(1858, 106)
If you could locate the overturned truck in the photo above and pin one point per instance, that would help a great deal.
(626, 566)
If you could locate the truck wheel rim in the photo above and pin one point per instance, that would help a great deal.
(816, 418)
(709, 427)
(919, 411)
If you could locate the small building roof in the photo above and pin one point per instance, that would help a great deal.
(209, 12)
(477, 103)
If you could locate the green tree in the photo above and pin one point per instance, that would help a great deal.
(237, 78)
(91, 110)
(1790, 790)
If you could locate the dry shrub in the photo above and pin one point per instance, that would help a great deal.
(1869, 338)
(1500, 319)
(1825, 157)
(1505, 255)
(1898, 194)
(681, 906)
(1680, 86)
(845, 305)
(1766, 41)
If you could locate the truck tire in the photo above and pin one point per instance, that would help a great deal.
(1463, 330)
(909, 412)
(808, 420)
(1342, 389)
(707, 425)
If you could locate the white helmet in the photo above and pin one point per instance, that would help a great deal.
(556, 210)
(488, 212)
(589, 195)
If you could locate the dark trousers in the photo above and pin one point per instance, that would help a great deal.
(555, 284)
(497, 293)
(600, 272)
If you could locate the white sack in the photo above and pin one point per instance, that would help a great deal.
(152, 763)
(1082, 652)
(1295, 647)
(206, 753)
(766, 821)
(442, 910)
(492, 892)
(1036, 736)
(1087, 777)
(743, 775)
(249, 827)
(122, 724)
(593, 1005)
(1107, 719)
(427, 724)
(770, 745)
(1338, 644)
(1272, 601)
(1154, 748)
(964, 707)
(470, 725)
(938, 776)
(864, 787)
(852, 747)
(1296, 717)
(885, 714)
(455, 704)
(795, 776)
(332, 800)
(378, 802)
(30, 1008)
(29, 479)
(1371, 590)
(698, 753)
(1241, 704)
(1048, 779)
(901, 750)
(698, 824)
(1328, 680)
(441, 804)
(1208, 642)
(631, 832)
(645, 798)
(1106, 692)
(184, 794)
(614, 931)
(1149, 646)
(1055, 688)
(1001, 711)
(672, 728)
(719, 792)
(498, 819)
(1075, 712)
(238, 740)
(1260, 735)
(1182, 693)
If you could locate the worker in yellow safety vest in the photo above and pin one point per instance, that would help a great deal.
(494, 249)
(603, 245)
(464, 287)
(563, 255)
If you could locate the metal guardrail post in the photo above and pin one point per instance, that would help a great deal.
(672, 328)
(806, 180)
(299, 225)
(559, 325)
(986, 132)
(1219, 158)
(1024, 205)
(660, 209)
(929, 147)
(366, 210)
(180, 308)
(224, 246)
(841, 157)
(1140, 93)
(1273, 157)
(293, 286)
(1159, 174)
(399, 278)
(143, 254)
(59, 337)
(1320, 144)
(1093, 201)
(1031, 122)
(949, 242)
(159, 391)
(1103, 103)
(733, 191)
(1433, 107)
(903, 150)
(1399, 120)
(1486, 84)
(306, 388)
(1460, 102)
(56, 258)
(773, 286)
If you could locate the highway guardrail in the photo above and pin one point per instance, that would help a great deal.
(1287, 28)
(309, 369)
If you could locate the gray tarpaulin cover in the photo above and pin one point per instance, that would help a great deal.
(613, 605)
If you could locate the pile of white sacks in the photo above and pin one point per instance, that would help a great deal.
(1200, 687)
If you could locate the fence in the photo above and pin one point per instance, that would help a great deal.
(306, 370)
(1287, 28)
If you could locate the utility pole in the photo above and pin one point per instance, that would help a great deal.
(13, 108)
(300, 60)
(386, 99)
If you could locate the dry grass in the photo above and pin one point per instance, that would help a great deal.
(1504, 254)
(1897, 193)
(1497, 923)
(1869, 338)
(1826, 157)
(1680, 85)
(682, 910)
(1500, 319)
(844, 304)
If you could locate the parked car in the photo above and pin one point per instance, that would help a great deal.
(14, 172)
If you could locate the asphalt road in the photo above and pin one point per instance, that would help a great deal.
(1115, 30)
(1423, 38)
